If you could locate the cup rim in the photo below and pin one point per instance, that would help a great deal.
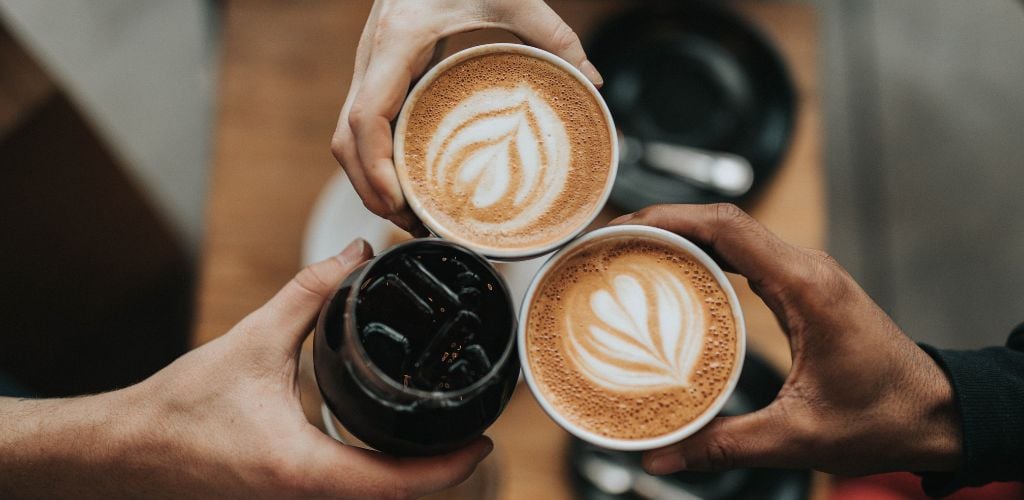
(496, 252)
(690, 427)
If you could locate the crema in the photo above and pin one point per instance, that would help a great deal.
(506, 151)
(630, 338)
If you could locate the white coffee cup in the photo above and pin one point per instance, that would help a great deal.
(431, 223)
(684, 246)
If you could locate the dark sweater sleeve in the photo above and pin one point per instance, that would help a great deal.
(988, 385)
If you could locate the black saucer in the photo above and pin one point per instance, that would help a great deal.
(693, 74)
(757, 387)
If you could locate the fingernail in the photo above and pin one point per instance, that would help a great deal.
(486, 449)
(665, 464)
(353, 251)
(591, 73)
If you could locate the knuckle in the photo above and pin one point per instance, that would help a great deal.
(311, 281)
(564, 38)
(356, 116)
(821, 281)
(728, 213)
(339, 148)
(718, 456)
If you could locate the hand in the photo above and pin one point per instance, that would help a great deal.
(860, 398)
(222, 421)
(397, 45)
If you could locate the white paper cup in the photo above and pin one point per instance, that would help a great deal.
(685, 247)
(416, 203)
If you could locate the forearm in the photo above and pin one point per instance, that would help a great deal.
(59, 447)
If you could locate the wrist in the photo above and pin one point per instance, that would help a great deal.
(940, 443)
(59, 447)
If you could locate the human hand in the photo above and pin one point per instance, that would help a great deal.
(222, 421)
(860, 398)
(397, 45)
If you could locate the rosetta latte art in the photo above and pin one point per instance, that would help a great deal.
(644, 331)
(501, 156)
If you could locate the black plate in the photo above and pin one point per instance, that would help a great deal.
(757, 387)
(693, 74)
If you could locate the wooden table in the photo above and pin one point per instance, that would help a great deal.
(286, 69)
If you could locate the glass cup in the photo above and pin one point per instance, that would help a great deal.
(415, 351)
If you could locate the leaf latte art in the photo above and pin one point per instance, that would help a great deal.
(504, 152)
(645, 330)
(629, 337)
(501, 156)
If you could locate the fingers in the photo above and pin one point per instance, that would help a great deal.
(752, 440)
(286, 319)
(376, 105)
(353, 472)
(735, 238)
(535, 23)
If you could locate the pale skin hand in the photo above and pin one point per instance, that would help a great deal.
(397, 45)
(223, 421)
(861, 397)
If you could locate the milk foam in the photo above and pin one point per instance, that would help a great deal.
(630, 338)
(500, 146)
(644, 331)
(506, 151)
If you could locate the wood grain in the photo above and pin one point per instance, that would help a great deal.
(286, 68)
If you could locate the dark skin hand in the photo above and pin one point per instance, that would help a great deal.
(860, 398)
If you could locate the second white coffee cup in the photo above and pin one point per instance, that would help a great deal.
(725, 381)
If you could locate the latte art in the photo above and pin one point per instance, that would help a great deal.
(505, 151)
(645, 332)
(501, 157)
(629, 337)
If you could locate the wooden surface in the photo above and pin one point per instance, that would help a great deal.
(286, 68)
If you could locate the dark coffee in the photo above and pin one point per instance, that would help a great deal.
(414, 354)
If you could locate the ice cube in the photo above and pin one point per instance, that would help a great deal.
(477, 357)
(471, 366)
(469, 297)
(392, 283)
(465, 277)
(423, 275)
(387, 348)
(444, 349)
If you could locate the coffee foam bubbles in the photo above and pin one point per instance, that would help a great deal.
(630, 338)
(504, 153)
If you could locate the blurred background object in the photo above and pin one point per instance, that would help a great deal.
(104, 126)
(924, 124)
(703, 102)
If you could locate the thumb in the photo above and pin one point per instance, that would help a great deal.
(286, 318)
(753, 440)
(535, 23)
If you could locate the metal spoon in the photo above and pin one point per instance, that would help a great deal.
(724, 173)
(614, 478)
